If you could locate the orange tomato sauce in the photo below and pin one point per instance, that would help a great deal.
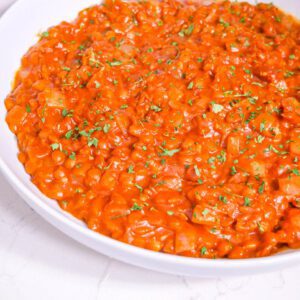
(172, 126)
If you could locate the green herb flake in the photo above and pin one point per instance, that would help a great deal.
(257, 84)
(203, 250)
(69, 134)
(115, 63)
(28, 109)
(190, 29)
(190, 85)
(84, 133)
(292, 56)
(135, 207)
(169, 153)
(205, 212)
(260, 139)
(197, 172)
(130, 169)
(160, 23)
(260, 228)
(139, 187)
(296, 172)
(93, 142)
(225, 24)
(66, 113)
(123, 106)
(72, 156)
(261, 188)
(45, 34)
(106, 128)
(97, 84)
(67, 69)
(222, 156)
(55, 146)
(278, 19)
(289, 74)
(155, 108)
(262, 126)
(247, 201)
(216, 108)
(223, 199)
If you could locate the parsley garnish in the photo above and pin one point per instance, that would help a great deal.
(93, 142)
(114, 63)
(55, 146)
(66, 113)
(261, 188)
(197, 172)
(69, 134)
(216, 108)
(135, 207)
(166, 152)
(247, 201)
(72, 156)
(28, 109)
(155, 108)
(139, 187)
(106, 128)
(130, 169)
(203, 250)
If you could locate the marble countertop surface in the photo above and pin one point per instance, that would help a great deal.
(39, 262)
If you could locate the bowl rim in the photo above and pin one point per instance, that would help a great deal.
(48, 212)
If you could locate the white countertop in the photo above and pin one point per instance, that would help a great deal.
(39, 262)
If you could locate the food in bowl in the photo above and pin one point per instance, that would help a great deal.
(168, 125)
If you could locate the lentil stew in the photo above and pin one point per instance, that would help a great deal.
(169, 125)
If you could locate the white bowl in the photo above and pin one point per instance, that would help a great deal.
(18, 31)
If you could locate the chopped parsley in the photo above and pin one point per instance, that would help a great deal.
(69, 134)
(130, 169)
(45, 34)
(261, 188)
(205, 212)
(114, 63)
(106, 128)
(155, 108)
(166, 152)
(28, 109)
(225, 24)
(190, 85)
(203, 250)
(93, 142)
(139, 187)
(67, 113)
(55, 146)
(216, 108)
(135, 207)
(296, 172)
(223, 199)
(247, 201)
(72, 156)
(197, 172)
(187, 31)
